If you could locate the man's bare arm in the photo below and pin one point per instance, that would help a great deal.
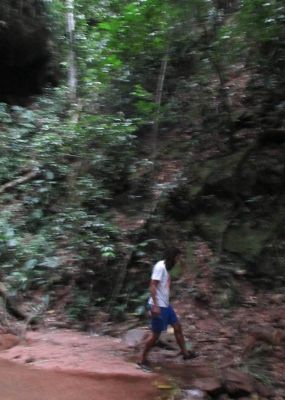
(153, 290)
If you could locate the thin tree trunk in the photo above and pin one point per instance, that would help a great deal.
(72, 69)
(120, 280)
(158, 99)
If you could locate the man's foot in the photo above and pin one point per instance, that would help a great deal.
(145, 366)
(190, 355)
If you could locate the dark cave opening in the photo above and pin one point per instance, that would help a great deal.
(27, 59)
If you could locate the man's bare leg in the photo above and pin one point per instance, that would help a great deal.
(180, 338)
(150, 342)
(181, 342)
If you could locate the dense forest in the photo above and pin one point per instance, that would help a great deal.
(130, 126)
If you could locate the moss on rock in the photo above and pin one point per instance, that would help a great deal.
(212, 224)
(243, 239)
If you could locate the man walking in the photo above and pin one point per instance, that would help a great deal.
(162, 313)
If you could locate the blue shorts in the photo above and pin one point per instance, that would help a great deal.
(160, 322)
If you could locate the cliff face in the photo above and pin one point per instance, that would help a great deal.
(25, 51)
(232, 200)
(236, 204)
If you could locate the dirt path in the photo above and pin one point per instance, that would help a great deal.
(65, 365)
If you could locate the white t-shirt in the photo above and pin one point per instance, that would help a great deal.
(159, 273)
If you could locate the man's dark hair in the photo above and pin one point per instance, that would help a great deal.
(170, 255)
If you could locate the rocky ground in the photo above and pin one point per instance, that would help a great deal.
(239, 333)
(241, 347)
(63, 364)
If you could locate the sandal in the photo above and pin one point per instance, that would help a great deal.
(190, 355)
(145, 366)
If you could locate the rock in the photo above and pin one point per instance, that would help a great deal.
(237, 382)
(208, 325)
(226, 332)
(224, 397)
(209, 385)
(8, 340)
(245, 398)
(277, 299)
(262, 390)
(30, 360)
(194, 394)
(135, 337)
(167, 340)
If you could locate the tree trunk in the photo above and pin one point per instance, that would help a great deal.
(158, 98)
(72, 69)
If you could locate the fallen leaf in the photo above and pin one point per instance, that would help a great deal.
(164, 386)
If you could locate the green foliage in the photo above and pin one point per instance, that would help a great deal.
(84, 154)
(144, 103)
(81, 307)
(27, 259)
(77, 168)
(262, 20)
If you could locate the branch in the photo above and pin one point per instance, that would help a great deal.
(23, 179)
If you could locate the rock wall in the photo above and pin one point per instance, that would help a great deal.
(236, 203)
